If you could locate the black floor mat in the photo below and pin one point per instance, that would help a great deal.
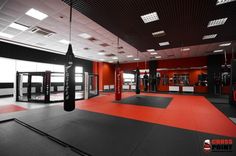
(105, 135)
(151, 101)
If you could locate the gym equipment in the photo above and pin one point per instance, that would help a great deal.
(145, 81)
(118, 83)
(69, 84)
(232, 96)
(48, 87)
(217, 83)
(137, 78)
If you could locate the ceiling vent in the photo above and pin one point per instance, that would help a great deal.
(92, 39)
(120, 47)
(110, 55)
(121, 52)
(42, 31)
(104, 44)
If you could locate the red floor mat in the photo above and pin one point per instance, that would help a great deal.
(10, 108)
(187, 112)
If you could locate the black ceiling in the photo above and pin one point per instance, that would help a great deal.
(184, 21)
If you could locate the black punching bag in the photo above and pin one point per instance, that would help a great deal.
(137, 81)
(69, 84)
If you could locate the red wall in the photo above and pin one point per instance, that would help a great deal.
(106, 73)
(183, 63)
(133, 66)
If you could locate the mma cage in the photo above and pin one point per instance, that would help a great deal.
(48, 87)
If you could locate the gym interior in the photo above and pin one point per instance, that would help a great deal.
(118, 78)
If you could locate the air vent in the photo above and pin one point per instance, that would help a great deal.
(86, 48)
(102, 51)
(104, 44)
(92, 39)
(120, 47)
(110, 55)
(121, 52)
(42, 31)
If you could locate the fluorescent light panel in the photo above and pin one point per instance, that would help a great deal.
(219, 2)
(150, 50)
(158, 33)
(157, 57)
(115, 58)
(185, 49)
(64, 41)
(18, 26)
(217, 22)
(100, 53)
(164, 43)
(85, 35)
(209, 36)
(129, 56)
(218, 51)
(151, 17)
(153, 53)
(102, 59)
(225, 44)
(6, 35)
(36, 14)
(136, 59)
(110, 61)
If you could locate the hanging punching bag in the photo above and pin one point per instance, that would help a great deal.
(69, 84)
(137, 81)
(118, 82)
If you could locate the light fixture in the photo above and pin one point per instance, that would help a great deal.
(64, 41)
(150, 50)
(225, 44)
(129, 56)
(151, 17)
(209, 36)
(157, 57)
(110, 61)
(219, 2)
(218, 51)
(6, 35)
(164, 43)
(101, 59)
(154, 53)
(101, 53)
(85, 35)
(115, 58)
(217, 22)
(136, 59)
(185, 49)
(158, 33)
(36, 14)
(18, 26)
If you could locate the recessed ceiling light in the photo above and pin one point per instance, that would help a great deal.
(84, 35)
(218, 51)
(110, 61)
(154, 53)
(185, 49)
(150, 50)
(157, 57)
(158, 33)
(136, 59)
(101, 59)
(164, 43)
(129, 56)
(225, 44)
(18, 26)
(64, 41)
(115, 58)
(36, 14)
(6, 35)
(219, 2)
(217, 22)
(101, 53)
(209, 36)
(151, 17)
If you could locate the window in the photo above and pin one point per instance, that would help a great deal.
(79, 74)
(129, 78)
